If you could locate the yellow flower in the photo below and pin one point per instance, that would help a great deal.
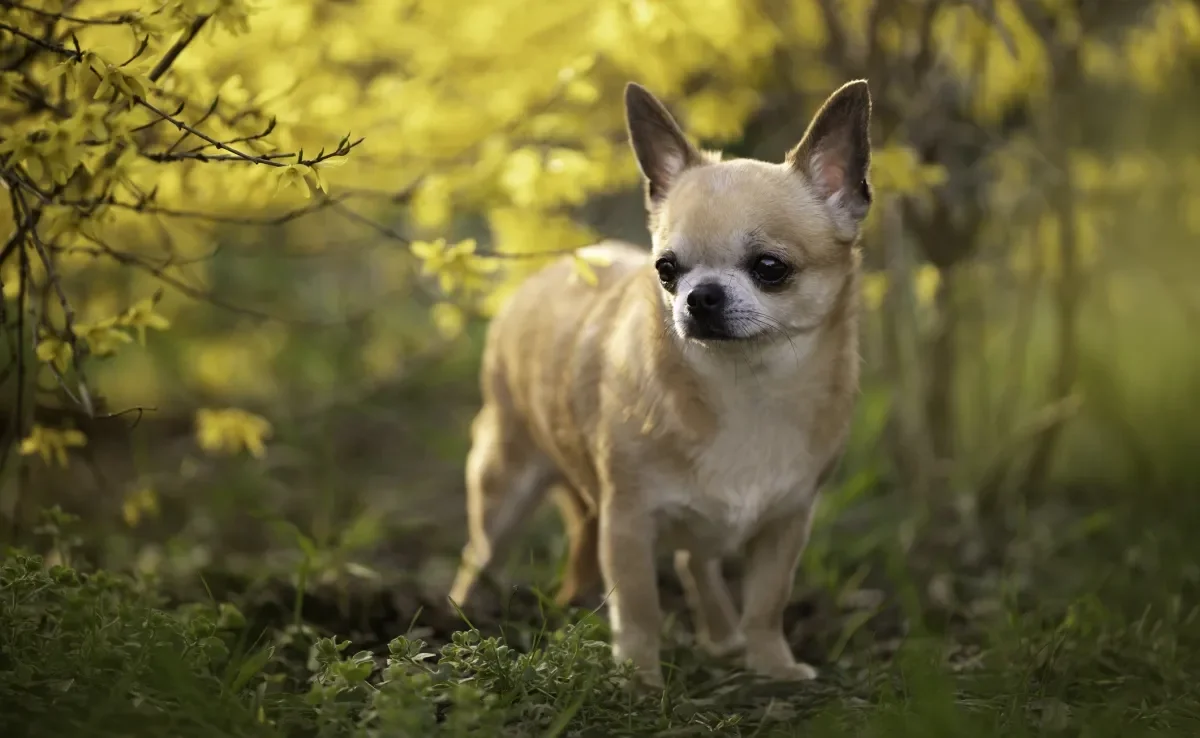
(142, 501)
(54, 351)
(11, 280)
(874, 288)
(455, 266)
(898, 169)
(142, 316)
(231, 430)
(52, 443)
(103, 337)
(925, 284)
(449, 319)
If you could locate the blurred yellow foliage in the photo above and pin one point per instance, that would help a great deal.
(506, 114)
(230, 430)
(898, 170)
(449, 319)
(926, 279)
(55, 351)
(141, 503)
(456, 266)
(52, 443)
(874, 289)
(1003, 54)
(236, 363)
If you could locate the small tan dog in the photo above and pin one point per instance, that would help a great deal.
(695, 398)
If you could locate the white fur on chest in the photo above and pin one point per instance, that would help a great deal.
(760, 464)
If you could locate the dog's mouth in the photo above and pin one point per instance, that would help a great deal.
(707, 330)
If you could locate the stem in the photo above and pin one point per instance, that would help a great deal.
(1067, 297)
(1068, 292)
(943, 366)
(164, 64)
(301, 585)
(19, 416)
(911, 449)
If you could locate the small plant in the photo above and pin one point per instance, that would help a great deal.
(88, 653)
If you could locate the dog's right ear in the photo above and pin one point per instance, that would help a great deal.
(661, 150)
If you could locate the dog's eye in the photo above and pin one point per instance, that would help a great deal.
(668, 270)
(769, 270)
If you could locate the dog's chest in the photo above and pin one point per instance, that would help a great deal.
(759, 464)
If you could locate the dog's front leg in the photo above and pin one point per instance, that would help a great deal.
(627, 564)
(771, 559)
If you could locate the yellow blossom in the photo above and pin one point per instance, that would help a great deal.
(456, 266)
(925, 284)
(231, 430)
(144, 501)
(142, 316)
(102, 337)
(449, 319)
(52, 443)
(54, 351)
(874, 288)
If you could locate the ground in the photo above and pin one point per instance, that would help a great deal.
(287, 601)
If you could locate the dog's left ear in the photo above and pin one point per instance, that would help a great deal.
(835, 156)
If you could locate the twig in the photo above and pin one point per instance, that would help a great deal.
(195, 293)
(47, 45)
(395, 235)
(18, 422)
(146, 206)
(165, 157)
(343, 148)
(85, 397)
(110, 20)
(1026, 311)
(1045, 420)
(379, 228)
(136, 409)
(177, 48)
(1069, 286)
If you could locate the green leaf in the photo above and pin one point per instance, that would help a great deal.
(250, 667)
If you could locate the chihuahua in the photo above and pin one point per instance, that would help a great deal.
(692, 399)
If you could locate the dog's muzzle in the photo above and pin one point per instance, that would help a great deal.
(706, 313)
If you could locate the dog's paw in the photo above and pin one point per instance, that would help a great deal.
(645, 680)
(797, 672)
(646, 672)
(732, 644)
(780, 666)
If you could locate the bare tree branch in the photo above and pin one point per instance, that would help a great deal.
(164, 64)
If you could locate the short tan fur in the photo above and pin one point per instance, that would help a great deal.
(695, 398)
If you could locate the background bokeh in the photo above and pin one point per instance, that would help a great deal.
(312, 322)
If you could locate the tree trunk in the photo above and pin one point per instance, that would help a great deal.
(943, 370)
(1068, 288)
(907, 426)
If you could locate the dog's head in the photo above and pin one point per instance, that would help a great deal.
(751, 250)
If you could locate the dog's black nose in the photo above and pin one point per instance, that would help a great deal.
(706, 300)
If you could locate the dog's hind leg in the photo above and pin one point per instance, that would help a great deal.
(507, 476)
(581, 577)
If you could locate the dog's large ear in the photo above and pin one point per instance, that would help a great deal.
(661, 150)
(835, 156)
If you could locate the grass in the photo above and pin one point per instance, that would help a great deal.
(1064, 625)
(1065, 611)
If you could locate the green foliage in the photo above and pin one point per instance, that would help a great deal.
(90, 654)
(172, 244)
(1068, 649)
